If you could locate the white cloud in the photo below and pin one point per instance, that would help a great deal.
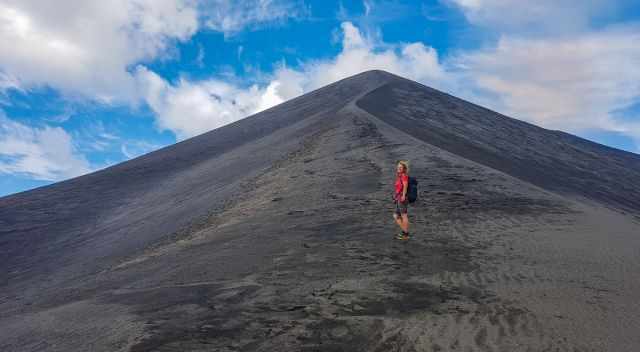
(240, 49)
(201, 55)
(414, 60)
(367, 7)
(375, 12)
(85, 47)
(541, 16)
(190, 108)
(230, 16)
(40, 153)
(95, 137)
(551, 67)
(132, 149)
(566, 83)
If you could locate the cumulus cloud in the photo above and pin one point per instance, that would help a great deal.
(46, 153)
(85, 47)
(192, 107)
(189, 108)
(414, 60)
(565, 83)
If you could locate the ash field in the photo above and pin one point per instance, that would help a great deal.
(275, 233)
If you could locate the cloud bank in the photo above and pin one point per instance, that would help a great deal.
(85, 47)
(567, 83)
(89, 48)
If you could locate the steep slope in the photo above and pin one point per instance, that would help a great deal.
(274, 233)
(551, 159)
(123, 208)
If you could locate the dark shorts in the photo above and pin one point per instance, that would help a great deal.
(401, 208)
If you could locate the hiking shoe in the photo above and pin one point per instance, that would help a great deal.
(402, 237)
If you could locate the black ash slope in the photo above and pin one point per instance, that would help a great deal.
(274, 233)
(124, 208)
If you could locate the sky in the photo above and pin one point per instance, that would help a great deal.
(88, 84)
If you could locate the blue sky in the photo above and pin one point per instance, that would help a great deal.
(85, 85)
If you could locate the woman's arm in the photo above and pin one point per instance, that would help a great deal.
(405, 185)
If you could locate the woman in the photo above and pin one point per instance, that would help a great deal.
(400, 199)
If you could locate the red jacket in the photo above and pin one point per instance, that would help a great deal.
(401, 180)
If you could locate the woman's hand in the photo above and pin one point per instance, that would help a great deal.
(403, 198)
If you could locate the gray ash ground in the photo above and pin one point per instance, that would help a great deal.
(275, 234)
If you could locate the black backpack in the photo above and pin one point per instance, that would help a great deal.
(412, 189)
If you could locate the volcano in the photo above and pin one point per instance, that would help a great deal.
(275, 233)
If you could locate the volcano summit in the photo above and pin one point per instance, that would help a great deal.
(275, 233)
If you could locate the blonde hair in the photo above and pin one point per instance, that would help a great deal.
(404, 164)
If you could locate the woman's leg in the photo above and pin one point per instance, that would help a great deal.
(398, 219)
(396, 215)
(404, 222)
